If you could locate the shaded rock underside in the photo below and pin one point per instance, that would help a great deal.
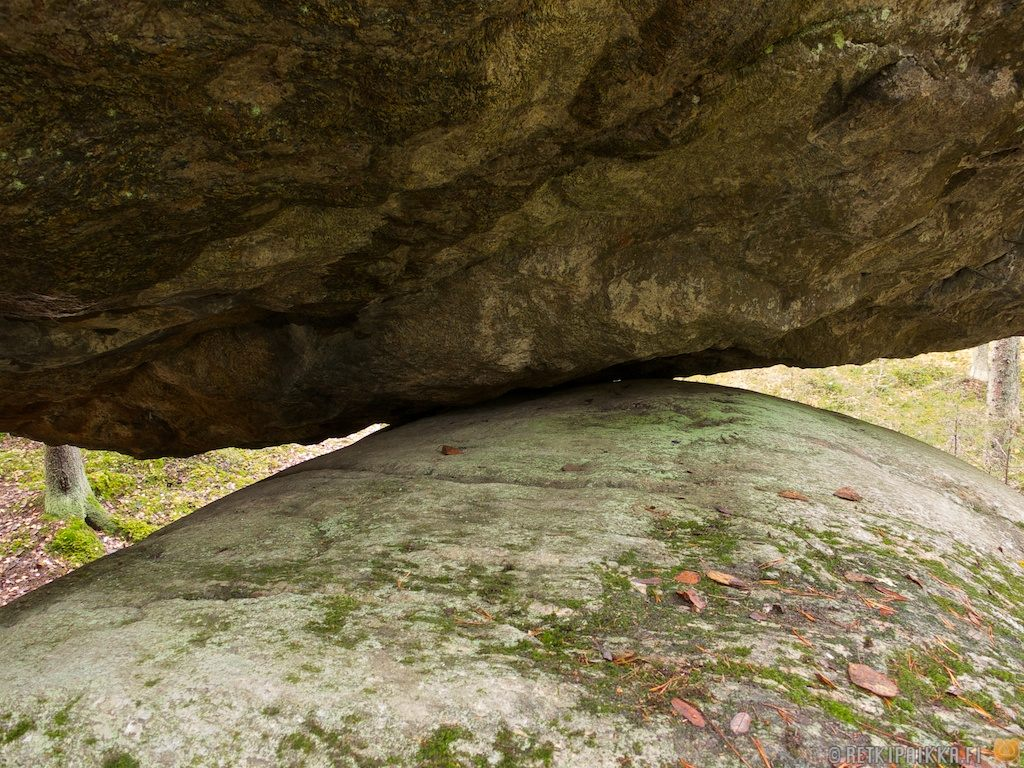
(247, 223)
(389, 605)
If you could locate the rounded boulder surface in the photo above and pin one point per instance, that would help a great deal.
(514, 602)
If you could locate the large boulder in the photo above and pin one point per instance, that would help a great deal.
(245, 223)
(495, 604)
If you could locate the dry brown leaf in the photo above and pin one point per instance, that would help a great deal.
(450, 450)
(690, 712)
(687, 577)
(693, 597)
(740, 723)
(871, 680)
(727, 579)
(914, 579)
(847, 493)
(859, 578)
(793, 496)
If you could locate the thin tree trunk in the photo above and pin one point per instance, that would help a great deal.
(979, 363)
(68, 493)
(1003, 400)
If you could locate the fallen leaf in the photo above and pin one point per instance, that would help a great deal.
(690, 712)
(639, 585)
(914, 579)
(871, 680)
(847, 493)
(859, 578)
(574, 468)
(740, 723)
(758, 616)
(450, 450)
(727, 579)
(693, 597)
(793, 495)
(687, 577)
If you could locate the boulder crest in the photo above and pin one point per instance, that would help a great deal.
(247, 224)
(515, 604)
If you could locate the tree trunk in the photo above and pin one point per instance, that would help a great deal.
(979, 363)
(1003, 400)
(68, 493)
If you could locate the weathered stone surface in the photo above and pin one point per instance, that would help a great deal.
(390, 605)
(253, 222)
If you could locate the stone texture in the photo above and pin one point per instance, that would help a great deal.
(391, 605)
(244, 222)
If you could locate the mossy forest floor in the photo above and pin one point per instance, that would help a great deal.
(142, 496)
(928, 397)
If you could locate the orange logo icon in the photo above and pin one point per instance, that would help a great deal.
(1007, 750)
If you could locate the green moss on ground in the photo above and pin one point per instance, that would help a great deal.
(331, 625)
(138, 497)
(134, 529)
(120, 760)
(76, 543)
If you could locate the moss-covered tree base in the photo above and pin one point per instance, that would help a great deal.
(514, 604)
(60, 506)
